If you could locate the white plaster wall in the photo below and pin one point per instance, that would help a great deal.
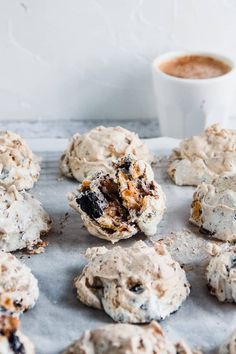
(91, 58)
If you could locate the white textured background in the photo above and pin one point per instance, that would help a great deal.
(91, 58)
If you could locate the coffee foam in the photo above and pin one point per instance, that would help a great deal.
(194, 67)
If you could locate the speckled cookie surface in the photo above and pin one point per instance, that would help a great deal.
(12, 341)
(213, 208)
(117, 206)
(205, 157)
(136, 284)
(229, 347)
(221, 275)
(18, 165)
(23, 220)
(18, 287)
(96, 150)
(126, 339)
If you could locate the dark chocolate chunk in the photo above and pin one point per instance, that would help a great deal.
(18, 303)
(15, 344)
(90, 204)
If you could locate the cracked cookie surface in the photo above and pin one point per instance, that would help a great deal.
(203, 158)
(18, 164)
(117, 206)
(136, 284)
(97, 150)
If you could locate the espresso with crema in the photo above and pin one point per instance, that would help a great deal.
(194, 67)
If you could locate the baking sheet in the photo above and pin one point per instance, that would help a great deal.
(59, 318)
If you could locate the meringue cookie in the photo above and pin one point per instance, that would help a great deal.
(96, 150)
(18, 287)
(221, 275)
(124, 339)
(213, 208)
(117, 206)
(18, 165)
(136, 284)
(12, 341)
(23, 220)
(229, 347)
(203, 158)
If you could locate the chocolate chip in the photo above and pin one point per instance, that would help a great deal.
(206, 232)
(4, 174)
(233, 262)
(137, 289)
(18, 303)
(144, 307)
(126, 163)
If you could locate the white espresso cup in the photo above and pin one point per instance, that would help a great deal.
(185, 107)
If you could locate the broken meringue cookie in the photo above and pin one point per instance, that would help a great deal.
(18, 164)
(97, 150)
(221, 275)
(229, 347)
(117, 206)
(213, 208)
(18, 287)
(126, 338)
(12, 341)
(203, 158)
(135, 285)
(23, 220)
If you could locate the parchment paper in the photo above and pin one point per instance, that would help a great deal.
(59, 318)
